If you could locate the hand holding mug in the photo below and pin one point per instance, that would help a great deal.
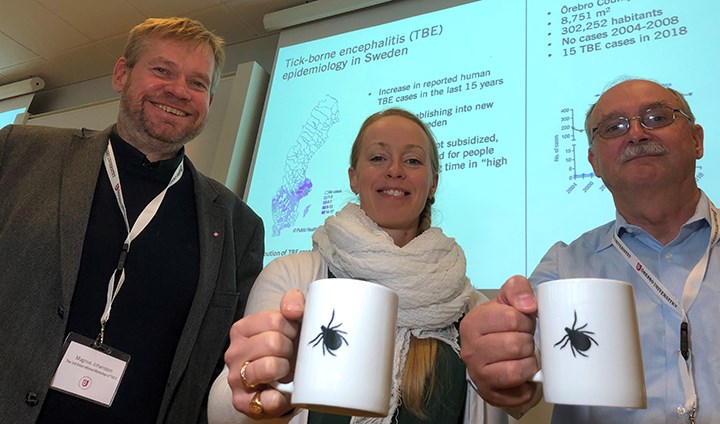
(262, 351)
(497, 345)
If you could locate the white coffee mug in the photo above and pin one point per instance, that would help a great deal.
(346, 349)
(590, 343)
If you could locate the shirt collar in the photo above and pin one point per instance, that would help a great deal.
(700, 218)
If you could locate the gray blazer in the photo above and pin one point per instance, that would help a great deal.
(47, 180)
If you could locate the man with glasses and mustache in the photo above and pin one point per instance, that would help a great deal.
(644, 144)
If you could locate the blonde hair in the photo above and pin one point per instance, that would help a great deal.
(419, 377)
(177, 29)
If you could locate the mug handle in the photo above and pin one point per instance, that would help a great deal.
(286, 388)
(538, 377)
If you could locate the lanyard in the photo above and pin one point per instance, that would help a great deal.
(690, 291)
(142, 221)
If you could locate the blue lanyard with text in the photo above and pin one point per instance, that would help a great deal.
(690, 291)
(142, 221)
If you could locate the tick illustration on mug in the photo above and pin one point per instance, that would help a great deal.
(330, 337)
(579, 339)
(589, 343)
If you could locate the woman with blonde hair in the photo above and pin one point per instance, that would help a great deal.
(387, 238)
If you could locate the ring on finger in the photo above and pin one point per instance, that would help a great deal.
(255, 407)
(247, 384)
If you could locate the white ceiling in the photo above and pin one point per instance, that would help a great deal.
(69, 41)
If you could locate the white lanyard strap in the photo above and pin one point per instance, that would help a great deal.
(142, 221)
(694, 280)
(690, 291)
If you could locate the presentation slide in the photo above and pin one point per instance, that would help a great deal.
(8, 117)
(12, 107)
(504, 85)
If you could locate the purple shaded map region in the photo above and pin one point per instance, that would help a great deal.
(296, 184)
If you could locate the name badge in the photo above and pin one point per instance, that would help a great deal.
(88, 372)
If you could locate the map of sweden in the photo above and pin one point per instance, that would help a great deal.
(296, 184)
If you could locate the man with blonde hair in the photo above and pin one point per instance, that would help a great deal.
(123, 267)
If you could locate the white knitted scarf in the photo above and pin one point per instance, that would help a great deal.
(428, 274)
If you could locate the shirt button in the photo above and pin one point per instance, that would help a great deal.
(668, 257)
(680, 410)
(31, 398)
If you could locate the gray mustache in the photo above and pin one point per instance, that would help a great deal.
(633, 150)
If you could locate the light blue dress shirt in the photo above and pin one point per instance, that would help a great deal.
(593, 255)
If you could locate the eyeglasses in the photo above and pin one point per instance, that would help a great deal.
(651, 119)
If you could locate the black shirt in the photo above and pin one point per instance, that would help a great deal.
(161, 276)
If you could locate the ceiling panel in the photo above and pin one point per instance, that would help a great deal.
(69, 41)
(252, 12)
(221, 21)
(83, 63)
(91, 20)
(164, 8)
(13, 52)
(38, 29)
